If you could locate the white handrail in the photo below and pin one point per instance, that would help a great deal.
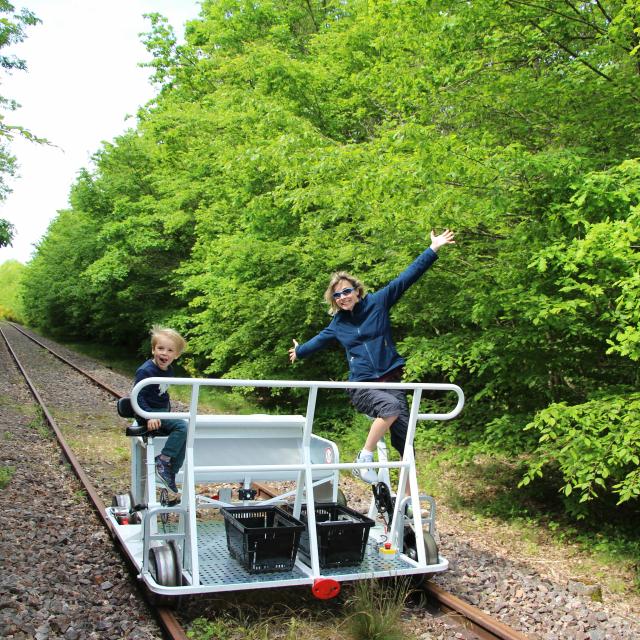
(302, 384)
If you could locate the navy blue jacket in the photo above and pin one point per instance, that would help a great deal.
(153, 397)
(365, 332)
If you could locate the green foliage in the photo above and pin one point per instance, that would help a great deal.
(54, 296)
(11, 273)
(6, 233)
(203, 629)
(595, 446)
(292, 617)
(293, 138)
(6, 473)
(12, 31)
(41, 426)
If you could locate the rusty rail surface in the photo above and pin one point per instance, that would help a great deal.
(480, 623)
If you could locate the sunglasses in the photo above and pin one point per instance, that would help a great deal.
(345, 292)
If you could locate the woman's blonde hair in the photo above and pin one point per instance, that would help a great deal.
(335, 278)
(178, 341)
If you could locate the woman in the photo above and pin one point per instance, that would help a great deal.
(361, 325)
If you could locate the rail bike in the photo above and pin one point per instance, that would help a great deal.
(224, 532)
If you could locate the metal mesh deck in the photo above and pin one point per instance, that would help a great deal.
(217, 567)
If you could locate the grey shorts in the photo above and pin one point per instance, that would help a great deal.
(382, 403)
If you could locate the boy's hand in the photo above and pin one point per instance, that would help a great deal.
(153, 424)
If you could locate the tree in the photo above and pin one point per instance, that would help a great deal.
(12, 31)
(6, 233)
(11, 273)
(293, 138)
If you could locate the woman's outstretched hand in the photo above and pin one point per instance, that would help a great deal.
(446, 237)
(292, 352)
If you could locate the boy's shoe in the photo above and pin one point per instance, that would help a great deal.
(370, 476)
(164, 471)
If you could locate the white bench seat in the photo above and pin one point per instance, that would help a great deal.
(246, 440)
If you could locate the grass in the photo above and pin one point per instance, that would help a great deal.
(374, 611)
(217, 400)
(278, 614)
(365, 610)
(281, 627)
(6, 473)
(39, 424)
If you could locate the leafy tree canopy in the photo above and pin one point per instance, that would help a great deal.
(292, 138)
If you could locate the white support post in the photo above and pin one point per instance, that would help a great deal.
(189, 491)
(150, 463)
(410, 470)
(306, 456)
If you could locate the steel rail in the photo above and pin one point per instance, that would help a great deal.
(93, 379)
(483, 624)
(167, 619)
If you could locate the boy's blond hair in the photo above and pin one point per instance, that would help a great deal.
(178, 341)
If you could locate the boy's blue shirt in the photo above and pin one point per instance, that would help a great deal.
(365, 332)
(153, 397)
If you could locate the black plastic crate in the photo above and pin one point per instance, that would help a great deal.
(342, 534)
(262, 539)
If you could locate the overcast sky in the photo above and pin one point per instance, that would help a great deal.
(81, 87)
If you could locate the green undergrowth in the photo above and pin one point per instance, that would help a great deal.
(281, 614)
(486, 488)
(285, 626)
(39, 424)
(374, 611)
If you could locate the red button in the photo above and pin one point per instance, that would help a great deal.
(325, 588)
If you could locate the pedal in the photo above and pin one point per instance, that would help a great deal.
(384, 501)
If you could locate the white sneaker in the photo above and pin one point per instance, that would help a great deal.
(370, 476)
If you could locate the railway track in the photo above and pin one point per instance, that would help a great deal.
(468, 621)
(166, 616)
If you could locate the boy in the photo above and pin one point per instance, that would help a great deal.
(166, 346)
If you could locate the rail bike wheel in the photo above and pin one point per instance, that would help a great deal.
(341, 498)
(164, 565)
(124, 500)
(431, 549)
(411, 548)
(177, 559)
(418, 580)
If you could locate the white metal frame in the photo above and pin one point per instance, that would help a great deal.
(137, 541)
